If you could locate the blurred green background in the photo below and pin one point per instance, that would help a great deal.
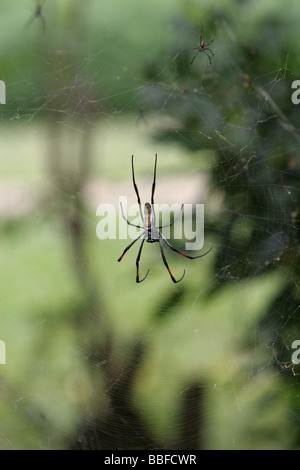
(94, 360)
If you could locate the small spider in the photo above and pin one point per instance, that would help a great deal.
(203, 48)
(150, 232)
(37, 14)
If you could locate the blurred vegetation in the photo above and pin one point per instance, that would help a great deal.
(95, 361)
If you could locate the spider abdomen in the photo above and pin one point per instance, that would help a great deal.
(148, 215)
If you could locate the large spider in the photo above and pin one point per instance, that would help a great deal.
(202, 48)
(150, 233)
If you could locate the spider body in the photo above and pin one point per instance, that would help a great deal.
(151, 233)
(203, 48)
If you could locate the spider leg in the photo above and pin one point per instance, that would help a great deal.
(41, 14)
(43, 22)
(129, 246)
(195, 55)
(180, 252)
(29, 22)
(154, 181)
(153, 190)
(208, 49)
(209, 58)
(136, 188)
(129, 223)
(166, 264)
(210, 42)
(138, 261)
(174, 220)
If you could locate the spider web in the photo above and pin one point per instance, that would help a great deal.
(95, 361)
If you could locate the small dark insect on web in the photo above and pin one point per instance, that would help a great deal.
(37, 14)
(204, 48)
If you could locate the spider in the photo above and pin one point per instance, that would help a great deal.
(37, 14)
(203, 48)
(150, 232)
